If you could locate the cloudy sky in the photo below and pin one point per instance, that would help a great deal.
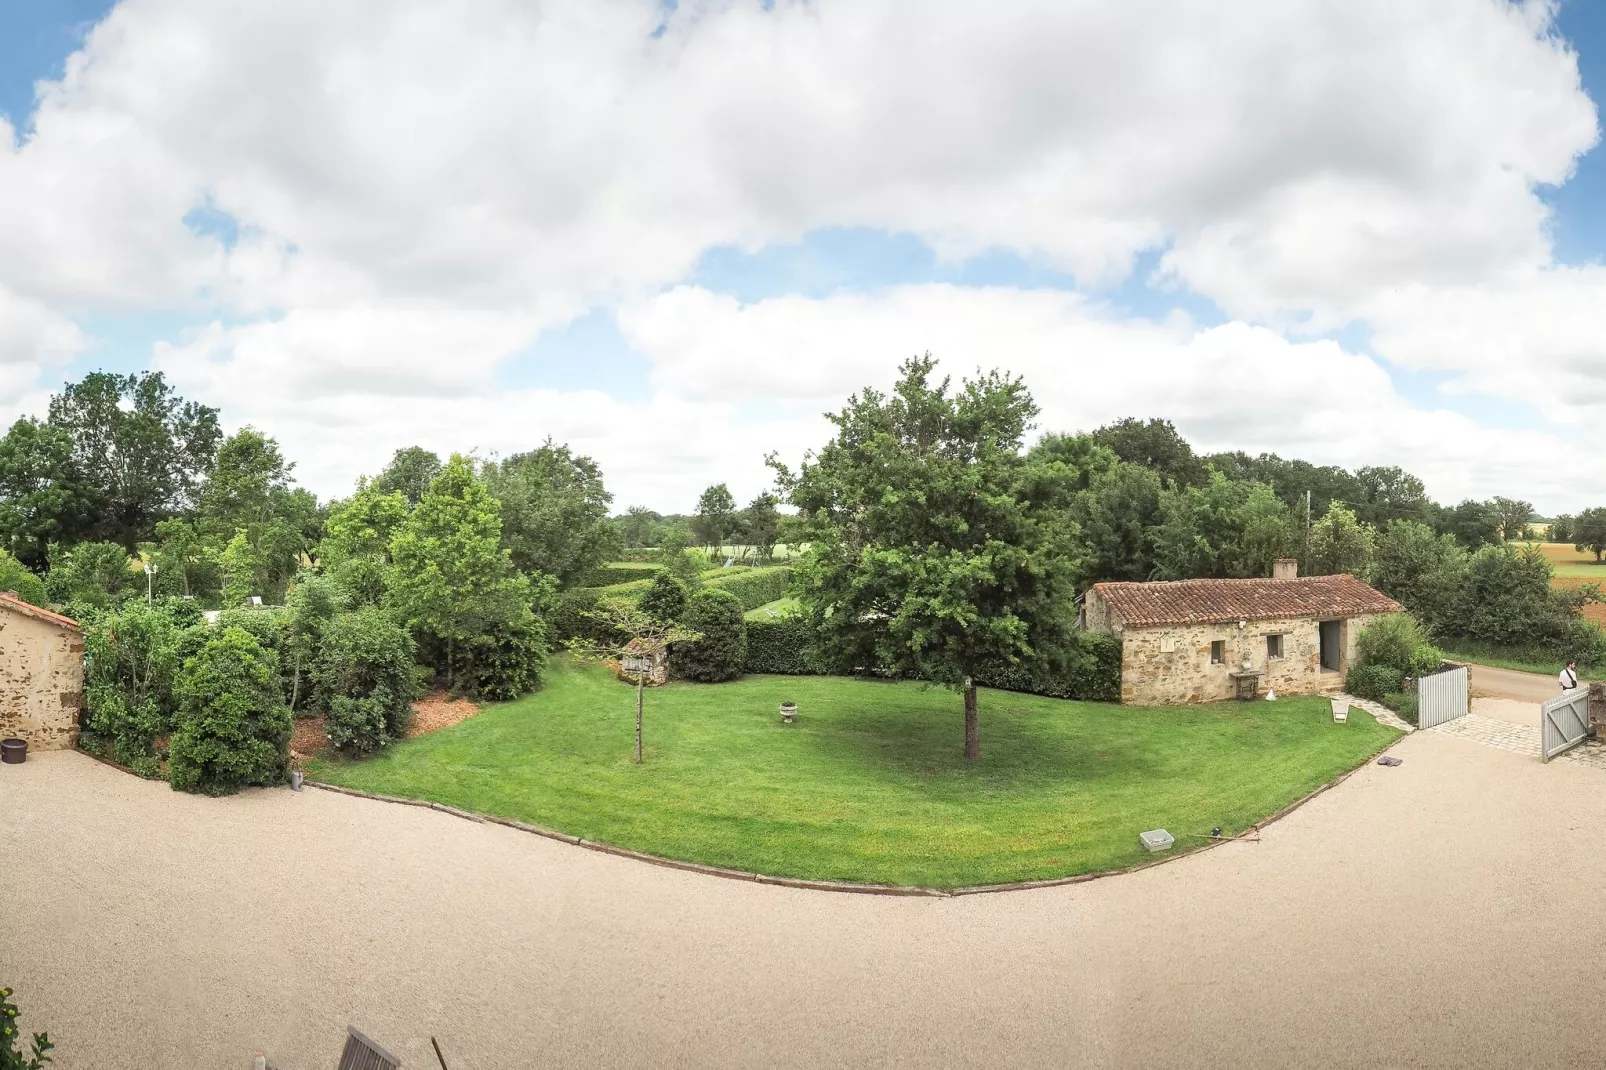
(1355, 231)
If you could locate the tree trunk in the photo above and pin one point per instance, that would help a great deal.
(972, 727)
(451, 679)
(640, 678)
(295, 684)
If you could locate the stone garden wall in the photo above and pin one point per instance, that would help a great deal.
(41, 681)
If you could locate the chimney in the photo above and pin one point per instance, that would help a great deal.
(1285, 568)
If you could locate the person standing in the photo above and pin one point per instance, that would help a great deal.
(1569, 676)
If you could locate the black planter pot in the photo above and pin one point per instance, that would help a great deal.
(13, 751)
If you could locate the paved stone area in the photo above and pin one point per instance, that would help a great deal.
(1518, 738)
(150, 929)
(1383, 714)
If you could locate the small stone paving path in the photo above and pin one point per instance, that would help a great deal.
(1518, 739)
(1383, 714)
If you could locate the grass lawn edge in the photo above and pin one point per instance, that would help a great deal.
(850, 886)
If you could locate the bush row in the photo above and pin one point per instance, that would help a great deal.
(613, 575)
(752, 588)
(755, 587)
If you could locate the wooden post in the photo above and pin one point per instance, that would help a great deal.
(640, 678)
(972, 728)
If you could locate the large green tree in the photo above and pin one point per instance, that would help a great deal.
(716, 517)
(1154, 444)
(937, 549)
(410, 472)
(356, 541)
(248, 499)
(42, 498)
(1589, 531)
(1119, 514)
(554, 512)
(1340, 543)
(452, 578)
(1514, 516)
(1221, 528)
(141, 450)
(1423, 570)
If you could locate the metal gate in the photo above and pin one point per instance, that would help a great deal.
(1563, 723)
(1441, 697)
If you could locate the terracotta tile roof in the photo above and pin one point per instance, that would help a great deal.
(1141, 605)
(11, 602)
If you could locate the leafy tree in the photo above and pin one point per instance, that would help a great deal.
(554, 512)
(639, 526)
(95, 573)
(240, 566)
(666, 599)
(716, 516)
(1340, 543)
(1154, 444)
(1389, 493)
(356, 542)
(1589, 531)
(130, 660)
(410, 473)
(1507, 599)
(937, 549)
(1221, 529)
(1119, 514)
(1473, 524)
(364, 671)
(1513, 516)
(1422, 570)
(452, 578)
(1561, 528)
(506, 659)
(17, 579)
(248, 496)
(1398, 641)
(233, 727)
(1292, 480)
(313, 601)
(760, 525)
(720, 648)
(1085, 458)
(186, 563)
(140, 450)
(42, 498)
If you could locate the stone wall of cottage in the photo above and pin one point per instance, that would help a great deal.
(1170, 666)
(41, 681)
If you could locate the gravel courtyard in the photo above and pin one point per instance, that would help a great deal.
(1442, 913)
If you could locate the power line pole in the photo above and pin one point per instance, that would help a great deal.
(1305, 556)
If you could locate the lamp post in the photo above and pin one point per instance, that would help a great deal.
(641, 666)
(150, 570)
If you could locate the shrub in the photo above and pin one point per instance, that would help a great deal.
(184, 612)
(131, 657)
(93, 572)
(1403, 703)
(15, 577)
(269, 626)
(364, 678)
(1373, 681)
(233, 726)
(1397, 640)
(781, 645)
(666, 599)
(611, 575)
(688, 565)
(1091, 673)
(506, 660)
(718, 655)
(755, 587)
(11, 1057)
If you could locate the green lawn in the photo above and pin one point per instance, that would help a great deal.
(772, 610)
(1590, 570)
(869, 784)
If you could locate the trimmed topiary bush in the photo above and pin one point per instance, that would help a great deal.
(782, 645)
(666, 599)
(720, 652)
(233, 725)
(364, 677)
(1373, 681)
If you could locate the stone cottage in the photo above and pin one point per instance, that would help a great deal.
(1188, 641)
(41, 675)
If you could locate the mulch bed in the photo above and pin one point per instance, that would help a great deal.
(431, 713)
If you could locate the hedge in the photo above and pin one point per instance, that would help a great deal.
(613, 575)
(781, 645)
(1373, 681)
(755, 587)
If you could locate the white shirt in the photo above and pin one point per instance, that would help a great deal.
(1568, 678)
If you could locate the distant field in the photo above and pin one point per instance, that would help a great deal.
(1574, 569)
(774, 610)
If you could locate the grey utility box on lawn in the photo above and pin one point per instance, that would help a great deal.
(1156, 839)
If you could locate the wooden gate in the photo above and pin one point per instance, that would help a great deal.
(1563, 723)
(1441, 697)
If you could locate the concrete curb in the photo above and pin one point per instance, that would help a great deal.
(848, 886)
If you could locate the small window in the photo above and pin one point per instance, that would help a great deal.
(1274, 646)
(1218, 652)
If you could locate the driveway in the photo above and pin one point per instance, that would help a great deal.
(1508, 684)
(1433, 914)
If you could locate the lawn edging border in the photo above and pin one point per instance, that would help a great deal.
(850, 886)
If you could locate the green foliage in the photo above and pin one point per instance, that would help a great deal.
(409, 474)
(248, 505)
(94, 572)
(233, 726)
(12, 1057)
(1388, 493)
(452, 579)
(1404, 703)
(43, 498)
(937, 548)
(1091, 672)
(666, 599)
(1218, 528)
(571, 619)
(1513, 517)
(554, 512)
(1398, 641)
(782, 645)
(1562, 529)
(1154, 444)
(15, 577)
(139, 449)
(686, 565)
(1507, 599)
(716, 516)
(759, 525)
(355, 550)
(269, 626)
(1474, 524)
(507, 659)
(1589, 531)
(1422, 571)
(721, 649)
(186, 562)
(613, 575)
(364, 677)
(313, 602)
(130, 658)
(756, 587)
(1119, 514)
(1373, 681)
(1340, 543)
